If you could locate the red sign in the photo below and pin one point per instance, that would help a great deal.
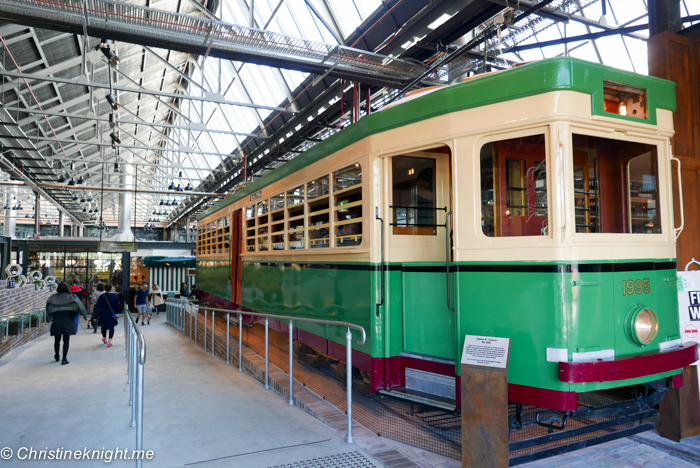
(691, 331)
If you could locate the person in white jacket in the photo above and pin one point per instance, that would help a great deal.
(157, 298)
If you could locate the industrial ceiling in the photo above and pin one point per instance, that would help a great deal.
(211, 96)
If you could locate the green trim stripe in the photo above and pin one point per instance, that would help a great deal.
(555, 74)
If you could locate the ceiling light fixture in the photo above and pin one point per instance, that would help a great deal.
(115, 139)
(112, 102)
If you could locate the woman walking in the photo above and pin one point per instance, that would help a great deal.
(157, 298)
(99, 290)
(63, 308)
(108, 306)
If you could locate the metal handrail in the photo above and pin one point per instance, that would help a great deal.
(296, 319)
(173, 316)
(135, 359)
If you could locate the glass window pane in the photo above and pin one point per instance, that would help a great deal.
(295, 196)
(514, 187)
(347, 177)
(319, 238)
(414, 195)
(348, 235)
(262, 208)
(317, 188)
(277, 202)
(602, 169)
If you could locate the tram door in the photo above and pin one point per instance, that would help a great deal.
(236, 263)
(418, 243)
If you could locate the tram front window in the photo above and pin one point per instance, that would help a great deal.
(616, 186)
(514, 187)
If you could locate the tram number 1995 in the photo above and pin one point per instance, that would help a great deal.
(630, 287)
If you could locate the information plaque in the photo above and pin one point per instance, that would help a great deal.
(484, 391)
(486, 351)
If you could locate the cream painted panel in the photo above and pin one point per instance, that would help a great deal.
(310, 255)
(468, 126)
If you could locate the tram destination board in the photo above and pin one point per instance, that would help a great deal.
(115, 247)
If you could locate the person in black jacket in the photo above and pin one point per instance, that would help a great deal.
(108, 307)
(63, 308)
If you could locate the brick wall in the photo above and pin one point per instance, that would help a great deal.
(17, 301)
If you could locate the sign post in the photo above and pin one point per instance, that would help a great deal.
(680, 409)
(485, 401)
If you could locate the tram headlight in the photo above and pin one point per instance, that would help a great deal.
(642, 325)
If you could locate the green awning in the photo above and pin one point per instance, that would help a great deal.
(161, 262)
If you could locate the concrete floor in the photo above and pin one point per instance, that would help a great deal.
(199, 411)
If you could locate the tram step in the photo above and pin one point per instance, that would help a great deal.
(420, 397)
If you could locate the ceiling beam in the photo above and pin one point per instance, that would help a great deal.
(208, 97)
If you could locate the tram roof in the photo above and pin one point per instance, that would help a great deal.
(554, 74)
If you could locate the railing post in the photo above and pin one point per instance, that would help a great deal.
(205, 330)
(196, 326)
(189, 310)
(139, 412)
(134, 376)
(127, 325)
(213, 330)
(267, 353)
(291, 363)
(348, 379)
(228, 340)
(240, 342)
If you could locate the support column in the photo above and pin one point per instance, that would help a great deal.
(37, 210)
(174, 239)
(80, 230)
(60, 224)
(187, 229)
(675, 57)
(126, 180)
(10, 218)
(664, 16)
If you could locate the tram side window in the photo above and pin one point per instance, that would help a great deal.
(277, 220)
(250, 228)
(295, 218)
(318, 213)
(347, 206)
(514, 187)
(414, 195)
(616, 186)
